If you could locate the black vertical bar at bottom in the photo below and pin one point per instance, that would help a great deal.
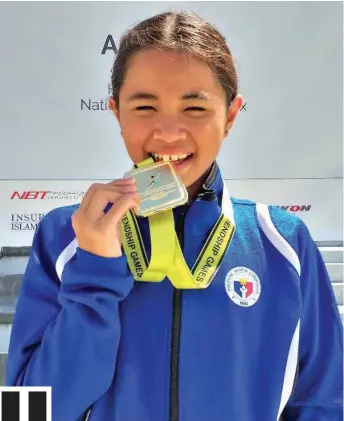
(10, 406)
(37, 406)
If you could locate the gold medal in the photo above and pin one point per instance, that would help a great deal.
(162, 190)
(159, 187)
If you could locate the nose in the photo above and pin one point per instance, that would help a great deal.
(169, 130)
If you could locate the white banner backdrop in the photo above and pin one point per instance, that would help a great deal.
(285, 148)
(24, 203)
(56, 59)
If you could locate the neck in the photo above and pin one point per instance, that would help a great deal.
(197, 186)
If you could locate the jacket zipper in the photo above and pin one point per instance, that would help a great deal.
(176, 325)
(175, 344)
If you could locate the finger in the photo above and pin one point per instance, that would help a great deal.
(122, 206)
(122, 182)
(100, 201)
(102, 198)
(88, 196)
(129, 188)
(96, 186)
(97, 190)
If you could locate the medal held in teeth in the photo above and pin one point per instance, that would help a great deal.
(158, 185)
(160, 190)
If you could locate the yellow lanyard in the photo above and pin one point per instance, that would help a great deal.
(162, 235)
(166, 255)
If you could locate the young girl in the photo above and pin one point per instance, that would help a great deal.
(262, 342)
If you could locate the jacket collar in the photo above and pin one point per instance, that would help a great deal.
(213, 185)
(205, 210)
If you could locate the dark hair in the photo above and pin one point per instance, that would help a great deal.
(184, 31)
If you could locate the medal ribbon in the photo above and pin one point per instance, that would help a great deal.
(166, 255)
(162, 245)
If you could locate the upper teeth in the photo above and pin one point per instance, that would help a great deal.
(170, 157)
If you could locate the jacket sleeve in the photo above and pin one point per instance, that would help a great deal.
(318, 390)
(66, 334)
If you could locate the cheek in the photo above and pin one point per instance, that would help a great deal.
(132, 126)
(209, 136)
(211, 124)
(134, 134)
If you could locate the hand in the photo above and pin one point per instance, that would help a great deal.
(100, 233)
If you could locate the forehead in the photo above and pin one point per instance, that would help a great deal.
(169, 71)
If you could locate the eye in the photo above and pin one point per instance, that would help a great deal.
(144, 107)
(195, 109)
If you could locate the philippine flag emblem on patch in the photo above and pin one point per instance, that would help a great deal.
(243, 286)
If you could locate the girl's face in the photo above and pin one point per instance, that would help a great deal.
(171, 106)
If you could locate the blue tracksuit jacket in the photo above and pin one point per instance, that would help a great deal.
(262, 343)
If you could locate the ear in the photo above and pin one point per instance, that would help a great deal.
(113, 107)
(232, 113)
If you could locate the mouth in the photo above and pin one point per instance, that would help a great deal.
(176, 159)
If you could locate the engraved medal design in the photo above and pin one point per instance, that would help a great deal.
(159, 188)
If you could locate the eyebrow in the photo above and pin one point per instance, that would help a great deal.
(187, 96)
